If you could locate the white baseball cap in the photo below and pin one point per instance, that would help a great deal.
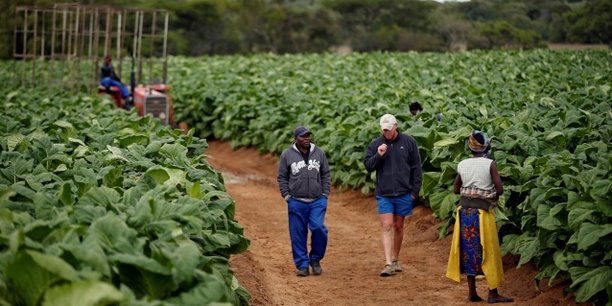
(387, 121)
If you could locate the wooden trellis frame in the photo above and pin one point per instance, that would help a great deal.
(64, 45)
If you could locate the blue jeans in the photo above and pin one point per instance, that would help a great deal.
(108, 82)
(302, 217)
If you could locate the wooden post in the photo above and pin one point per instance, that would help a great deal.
(140, 25)
(164, 55)
(35, 11)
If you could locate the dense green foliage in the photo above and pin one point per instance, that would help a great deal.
(295, 26)
(548, 113)
(101, 207)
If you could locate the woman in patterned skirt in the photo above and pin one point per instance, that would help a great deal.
(475, 246)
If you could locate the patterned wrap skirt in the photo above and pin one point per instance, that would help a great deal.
(471, 249)
(475, 246)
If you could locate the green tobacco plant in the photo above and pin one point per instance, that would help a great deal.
(547, 113)
(99, 206)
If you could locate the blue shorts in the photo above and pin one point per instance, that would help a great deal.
(400, 205)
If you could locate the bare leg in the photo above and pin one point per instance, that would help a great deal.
(472, 295)
(386, 224)
(398, 237)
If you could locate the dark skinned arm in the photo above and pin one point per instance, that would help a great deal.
(457, 184)
(499, 187)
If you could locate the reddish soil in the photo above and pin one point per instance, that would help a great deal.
(354, 255)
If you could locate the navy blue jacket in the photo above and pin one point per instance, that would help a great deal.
(398, 172)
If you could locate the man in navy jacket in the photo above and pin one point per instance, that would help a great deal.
(395, 158)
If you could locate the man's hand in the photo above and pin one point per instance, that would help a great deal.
(382, 149)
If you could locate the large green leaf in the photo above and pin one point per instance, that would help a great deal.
(14, 140)
(115, 236)
(589, 281)
(590, 234)
(547, 217)
(159, 174)
(185, 258)
(32, 273)
(91, 253)
(445, 202)
(101, 196)
(175, 153)
(145, 276)
(208, 291)
(579, 213)
(430, 181)
(65, 195)
(83, 293)
(445, 142)
(115, 154)
(127, 140)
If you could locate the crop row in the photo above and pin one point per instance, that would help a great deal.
(548, 113)
(101, 207)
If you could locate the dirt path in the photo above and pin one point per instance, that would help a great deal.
(354, 254)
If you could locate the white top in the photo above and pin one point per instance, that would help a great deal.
(475, 173)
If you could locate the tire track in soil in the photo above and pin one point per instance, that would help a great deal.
(354, 254)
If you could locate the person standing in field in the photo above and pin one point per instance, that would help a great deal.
(395, 158)
(475, 246)
(305, 182)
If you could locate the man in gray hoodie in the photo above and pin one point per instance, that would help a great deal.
(305, 182)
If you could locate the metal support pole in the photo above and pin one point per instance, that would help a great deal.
(165, 49)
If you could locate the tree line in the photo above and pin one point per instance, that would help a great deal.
(209, 27)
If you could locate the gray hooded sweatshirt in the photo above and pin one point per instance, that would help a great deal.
(305, 180)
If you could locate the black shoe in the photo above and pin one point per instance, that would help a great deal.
(500, 299)
(316, 267)
(128, 103)
(302, 272)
